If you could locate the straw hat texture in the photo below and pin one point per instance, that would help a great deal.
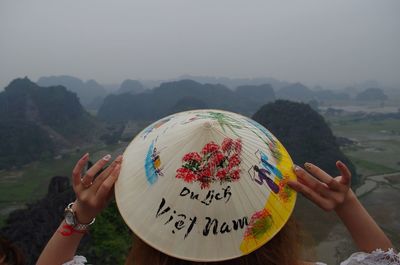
(205, 185)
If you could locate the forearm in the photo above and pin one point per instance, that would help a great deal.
(367, 235)
(61, 247)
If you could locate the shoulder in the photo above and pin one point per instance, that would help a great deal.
(77, 260)
(375, 257)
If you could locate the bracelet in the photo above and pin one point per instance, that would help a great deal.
(71, 219)
(69, 230)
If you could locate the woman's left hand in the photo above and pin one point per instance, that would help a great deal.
(93, 194)
(319, 187)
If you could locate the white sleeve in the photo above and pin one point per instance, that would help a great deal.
(78, 260)
(375, 257)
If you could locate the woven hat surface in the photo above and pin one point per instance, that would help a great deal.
(205, 185)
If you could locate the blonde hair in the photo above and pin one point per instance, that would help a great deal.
(282, 249)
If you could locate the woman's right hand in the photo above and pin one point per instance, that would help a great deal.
(322, 189)
(93, 194)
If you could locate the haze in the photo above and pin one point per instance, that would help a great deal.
(314, 42)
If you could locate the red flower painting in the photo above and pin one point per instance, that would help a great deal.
(213, 164)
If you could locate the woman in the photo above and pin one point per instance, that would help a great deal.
(330, 194)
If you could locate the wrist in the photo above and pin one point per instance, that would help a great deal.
(82, 216)
(349, 202)
(71, 214)
(67, 230)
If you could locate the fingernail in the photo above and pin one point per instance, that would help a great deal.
(340, 163)
(107, 157)
(296, 167)
(300, 178)
(307, 166)
(85, 156)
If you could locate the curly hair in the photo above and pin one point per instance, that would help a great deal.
(9, 253)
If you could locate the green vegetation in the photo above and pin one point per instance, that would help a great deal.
(366, 167)
(30, 183)
(365, 129)
(111, 238)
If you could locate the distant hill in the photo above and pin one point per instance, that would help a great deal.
(264, 93)
(304, 133)
(188, 103)
(371, 94)
(90, 93)
(301, 93)
(155, 103)
(53, 115)
(131, 86)
(295, 92)
(236, 82)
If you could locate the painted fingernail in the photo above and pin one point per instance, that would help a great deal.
(307, 166)
(107, 157)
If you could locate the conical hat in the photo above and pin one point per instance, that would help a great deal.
(205, 185)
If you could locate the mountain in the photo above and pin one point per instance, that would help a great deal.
(41, 120)
(295, 92)
(259, 93)
(131, 86)
(156, 103)
(371, 94)
(304, 133)
(88, 92)
(188, 103)
(23, 142)
(235, 82)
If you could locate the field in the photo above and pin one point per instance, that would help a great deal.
(377, 143)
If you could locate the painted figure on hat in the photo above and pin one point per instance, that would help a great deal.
(152, 164)
(265, 172)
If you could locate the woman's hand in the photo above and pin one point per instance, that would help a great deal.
(335, 194)
(93, 194)
(319, 187)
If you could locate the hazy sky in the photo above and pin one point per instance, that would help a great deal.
(313, 41)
